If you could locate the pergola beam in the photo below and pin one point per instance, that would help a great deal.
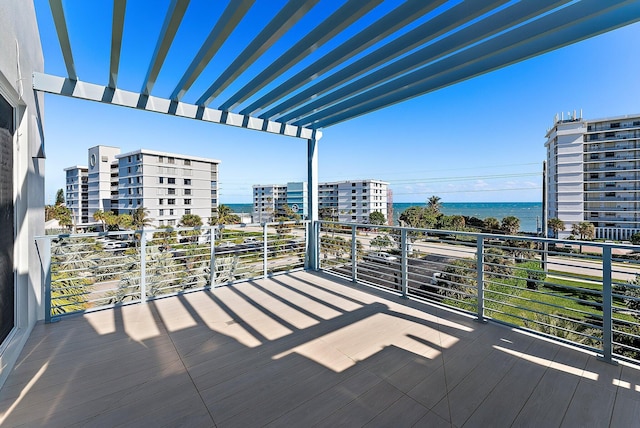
(342, 18)
(439, 25)
(288, 16)
(117, 27)
(375, 32)
(172, 21)
(231, 17)
(63, 37)
(483, 29)
(91, 92)
(552, 32)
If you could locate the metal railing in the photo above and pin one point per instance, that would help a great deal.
(92, 271)
(584, 293)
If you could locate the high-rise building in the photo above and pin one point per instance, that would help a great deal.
(100, 158)
(345, 201)
(166, 185)
(77, 193)
(594, 174)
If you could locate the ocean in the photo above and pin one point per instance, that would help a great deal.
(529, 213)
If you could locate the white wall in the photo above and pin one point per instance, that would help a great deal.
(19, 38)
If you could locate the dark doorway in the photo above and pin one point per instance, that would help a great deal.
(7, 292)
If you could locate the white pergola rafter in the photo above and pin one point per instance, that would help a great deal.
(412, 48)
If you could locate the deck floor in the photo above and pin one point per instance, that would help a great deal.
(306, 350)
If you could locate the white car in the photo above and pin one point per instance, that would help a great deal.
(227, 244)
(381, 257)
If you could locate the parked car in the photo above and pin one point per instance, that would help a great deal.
(227, 244)
(381, 257)
(251, 241)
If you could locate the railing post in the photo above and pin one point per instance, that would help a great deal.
(265, 247)
(480, 278)
(607, 304)
(143, 267)
(313, 246)
(212, 257)
(45, 257)
(403, 264)
(354, 254)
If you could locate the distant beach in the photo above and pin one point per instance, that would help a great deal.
(529, 213)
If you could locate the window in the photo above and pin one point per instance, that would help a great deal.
(187, 191)
(161, 159)
(187, 162)
(187, 211)
(171, 222)
(104, 159)
(171, 201)
(160, 201)
(161, 180)
(129, 169)
(171, 160)
(171, 180)
(161, 212)
(171, 211)
(171, 191)
(187, 201)
(130, 191)
(614, 125)
(187, 182)
(139, 201)
(353, 184)
(609, 154)
(129, 159)
(138, 156)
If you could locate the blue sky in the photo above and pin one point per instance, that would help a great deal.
(480, 140)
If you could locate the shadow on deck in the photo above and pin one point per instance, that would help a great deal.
(306, 349)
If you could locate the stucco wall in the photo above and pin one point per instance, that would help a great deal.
(20, 55)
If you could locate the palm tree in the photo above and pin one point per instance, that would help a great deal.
(101, 217)
(225, 216)
(556, 225)
(584, 230)
(140, 218)
(434, 204)
(510, 225)
(492, 224)
(191, 220)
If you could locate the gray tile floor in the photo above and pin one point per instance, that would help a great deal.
(306, 350)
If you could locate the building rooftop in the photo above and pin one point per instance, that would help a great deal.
(304, 349)
(167, 154)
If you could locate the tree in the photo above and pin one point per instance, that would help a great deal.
(419, 217)
(101, 217)
(556, 225)
(584, 230)
(492, 225)
(123, 221)
(635, 238)
(377, 218)
(224, 216)
(510, 225)
(434, 205)
(191, 220)
(140, 218)
(382, 241)
(60, 197)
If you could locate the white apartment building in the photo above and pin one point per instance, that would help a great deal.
(167, 185)
(594, 174)
(347, 201)
(77, 193)
(101, 159)
(269, 200)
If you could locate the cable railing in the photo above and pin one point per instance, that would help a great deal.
(583, 293)
(92, 271)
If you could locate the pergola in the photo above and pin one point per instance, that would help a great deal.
(413, 48)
